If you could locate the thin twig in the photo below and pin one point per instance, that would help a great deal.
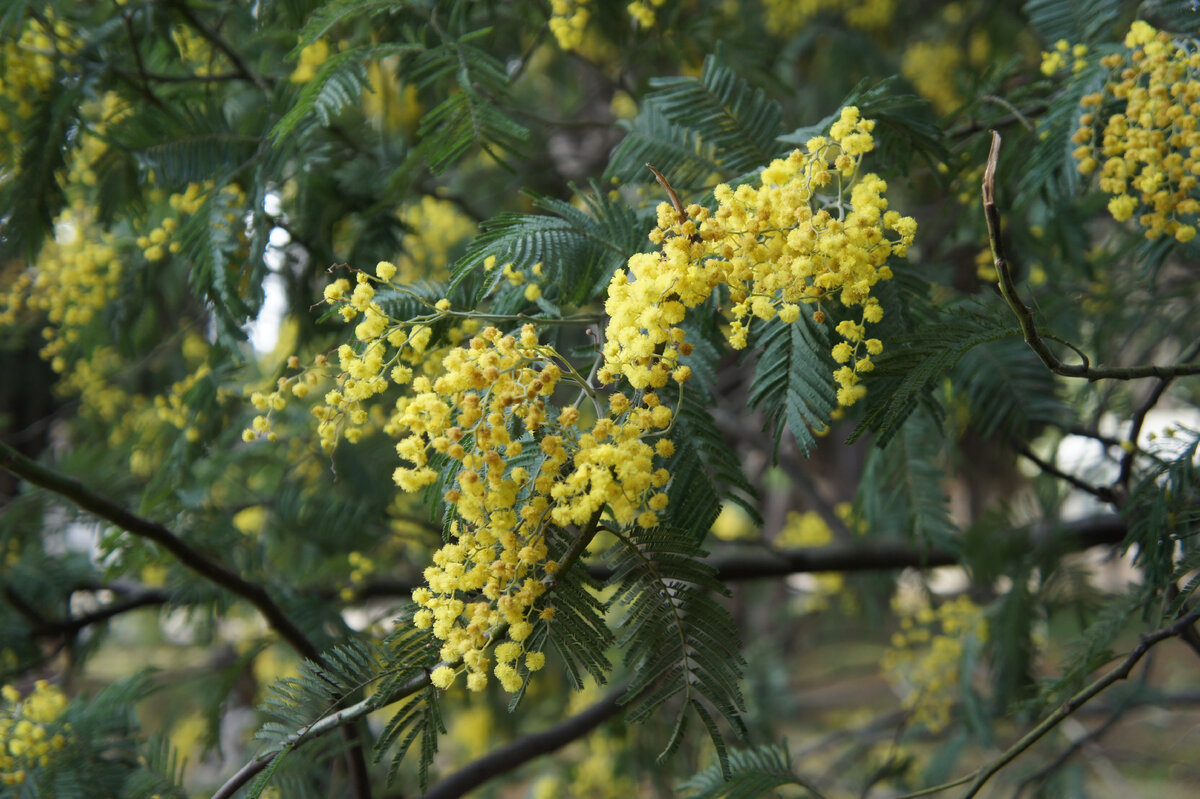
(1024, 313)
(217, 41)
(1102, 493)
(1139, 419)
(980, 776)
(517, 753)
(255, 594)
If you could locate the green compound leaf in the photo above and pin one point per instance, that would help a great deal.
(677, 637)
(793, 383)
(691, 128)
(752, 773)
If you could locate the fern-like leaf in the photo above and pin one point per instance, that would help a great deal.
(704, 469)
(915, 362)
(1077, 21)
(752, 773)
(677, 636)
(716, 120)
(792, 381)
(579, 249)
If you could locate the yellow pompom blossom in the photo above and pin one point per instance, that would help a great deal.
(568, 20)
(487, 407)
(786, 17)
(29, 64)
(795, 239)
(925, 656)
(1062, 55)
(643, 12)
(932, 67)
(30, 731)
(311, 59)
(1139, 134)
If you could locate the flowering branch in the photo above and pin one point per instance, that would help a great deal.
(980, 776)
(1024, 313)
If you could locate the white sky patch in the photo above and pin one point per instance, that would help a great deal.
(263, 332)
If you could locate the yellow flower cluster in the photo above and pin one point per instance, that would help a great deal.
(932, 68)
(390, 105)
(157, 244)
(311, 59)
(361, 567)
(435, 227)
(796, 238)
(488, 406)
(76, 275)
(568, 21)
(924, 659)
(195, 51)
(29, 734)
(28, 65)
(1148, 153)
(1057, 59)
(787, 17)
(643, 11)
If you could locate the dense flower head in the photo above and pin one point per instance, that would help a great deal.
(523, 463)
(925, 657)
(31, 732)
(813, 231)
(1139, 134)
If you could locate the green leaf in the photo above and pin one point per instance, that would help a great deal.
(793, 383)
(677, 637)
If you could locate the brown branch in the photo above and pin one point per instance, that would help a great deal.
(218, 42)
(521, 751)
(50, 628)
(1024, 314)
(1105, 530)
(1102, 493)
(215, 572)
(93, 503)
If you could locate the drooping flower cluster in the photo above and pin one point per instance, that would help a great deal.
(924, 660)
(524, 464)
(796, 238)
(1140, 134)
(30, 734)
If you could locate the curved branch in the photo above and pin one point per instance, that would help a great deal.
(99, 506)
(51, 628)
(255, 594)
(1024, 313)
(521, 751)
(980, 776)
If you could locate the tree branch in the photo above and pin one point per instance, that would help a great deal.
(93, 503)
(980, 776)
(521, 751)
(215, 38)
(1024, 313)
(1105, 530)
(255, 594)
